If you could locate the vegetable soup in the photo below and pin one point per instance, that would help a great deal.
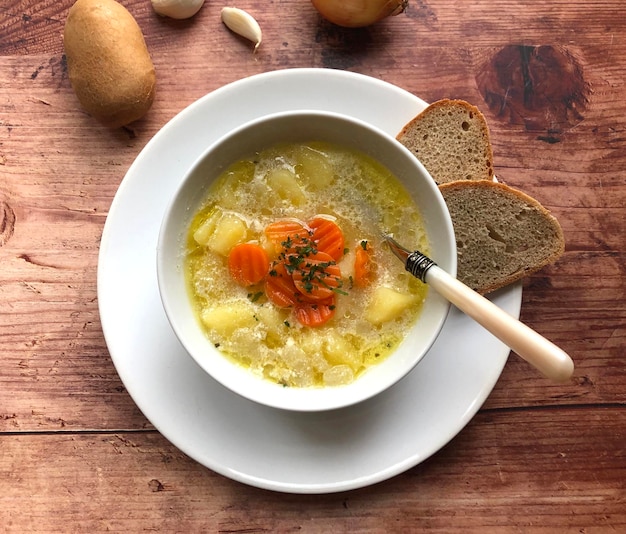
(287, 270)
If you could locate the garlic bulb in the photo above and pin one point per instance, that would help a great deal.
(177, 9)
(358, 13)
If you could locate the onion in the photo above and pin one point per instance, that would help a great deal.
(358, 13)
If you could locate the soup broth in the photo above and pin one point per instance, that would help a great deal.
(299, 182)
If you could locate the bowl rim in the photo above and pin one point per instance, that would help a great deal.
(240, 380)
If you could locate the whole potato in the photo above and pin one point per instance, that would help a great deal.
(108, 62)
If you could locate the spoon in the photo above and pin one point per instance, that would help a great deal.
(541, 353)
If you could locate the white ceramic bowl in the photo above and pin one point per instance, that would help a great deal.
(244, 141)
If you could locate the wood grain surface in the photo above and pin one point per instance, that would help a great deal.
(77, 455)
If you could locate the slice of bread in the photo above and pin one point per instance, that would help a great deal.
(501, 233)
(451, 139)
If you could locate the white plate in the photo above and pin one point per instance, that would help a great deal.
(265, 447)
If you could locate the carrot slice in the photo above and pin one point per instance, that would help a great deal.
(285, 230)
(248, 263)
(327, 236)
(306, 275)
(363, 264)
(316, 276)
(315, 313)
(279, 287)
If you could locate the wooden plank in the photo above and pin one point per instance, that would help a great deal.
(540, 471)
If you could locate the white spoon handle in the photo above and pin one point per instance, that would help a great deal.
(544, 355)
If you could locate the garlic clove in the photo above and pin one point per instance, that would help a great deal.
(242, 23)
(177, 9)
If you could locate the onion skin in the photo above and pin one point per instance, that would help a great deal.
(358, 13)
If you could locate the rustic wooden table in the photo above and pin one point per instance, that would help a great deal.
(77, 455)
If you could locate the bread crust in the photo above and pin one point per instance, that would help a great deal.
(503, 234)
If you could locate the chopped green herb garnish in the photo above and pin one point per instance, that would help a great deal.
(255, 296)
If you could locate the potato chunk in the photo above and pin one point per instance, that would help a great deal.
(229, 230)
(273, 321)
(238, 177)
(205, 230)
(338, 375)
(221, 231)
(283, 182)
(224, 319)
(339, 351)
(314, 168)
(388, 304)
